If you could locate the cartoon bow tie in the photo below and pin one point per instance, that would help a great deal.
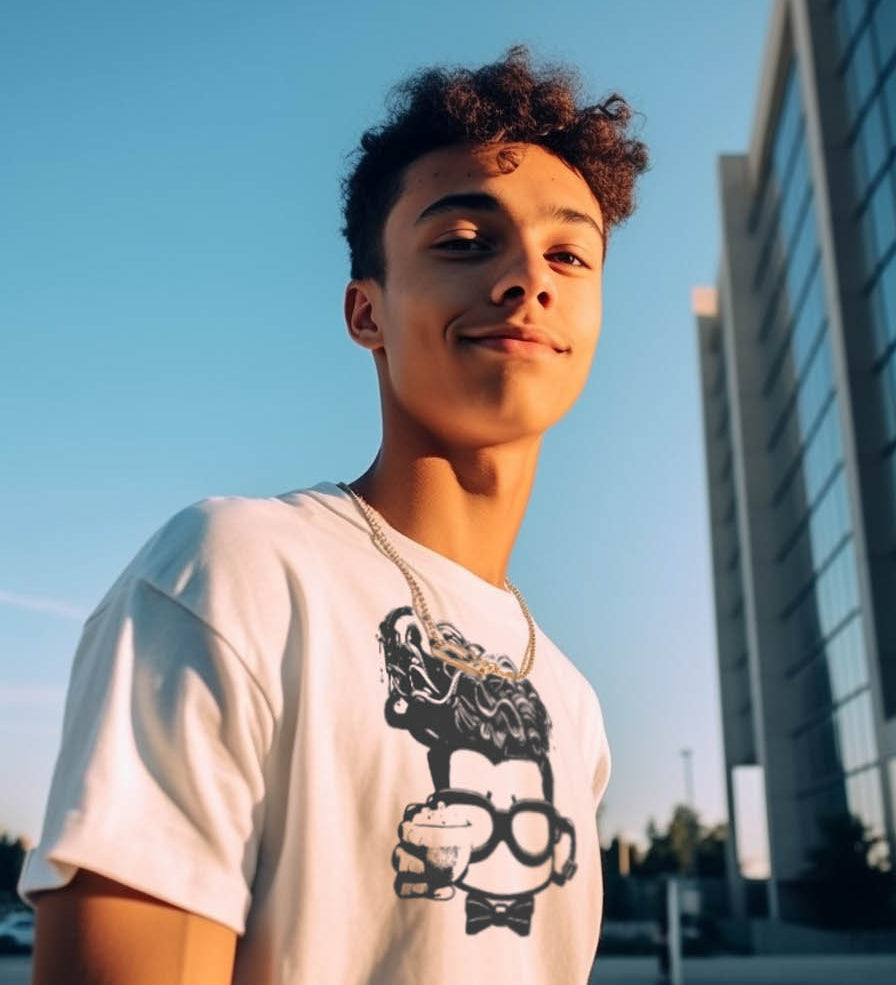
(516, 915)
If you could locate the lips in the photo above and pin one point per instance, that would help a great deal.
(513, 338)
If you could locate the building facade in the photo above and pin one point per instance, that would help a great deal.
(798, 372)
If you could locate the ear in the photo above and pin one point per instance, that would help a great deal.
(361, 296)
(564, 852)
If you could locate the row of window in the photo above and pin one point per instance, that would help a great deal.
(860, 796)
(841, 742)
(821, 607)
(826, 619)
(822, 531)
(804, 486)
(814, 462)
(890, 479)
(815, 388)
(803, 254)
(886, 382)
(776, 183)
(882, 299)
(836, 671)
(878, 221)
(795, 325)
(784, 385)
(873, 140)
(865, 800)
(867, 42)
(791, 233)
(823, 452)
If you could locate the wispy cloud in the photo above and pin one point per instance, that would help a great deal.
(36, 603)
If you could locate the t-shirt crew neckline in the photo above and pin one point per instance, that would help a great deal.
(421, 558)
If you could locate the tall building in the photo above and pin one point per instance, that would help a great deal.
(798, 373)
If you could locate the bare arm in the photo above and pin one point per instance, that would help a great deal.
(98, 932)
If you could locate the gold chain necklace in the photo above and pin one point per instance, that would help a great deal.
(444, 649)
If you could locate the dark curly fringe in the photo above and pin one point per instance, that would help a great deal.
(505, 102)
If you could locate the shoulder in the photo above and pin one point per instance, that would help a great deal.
(236, 564)
(216, 534)
(578, 692)
(584, 710)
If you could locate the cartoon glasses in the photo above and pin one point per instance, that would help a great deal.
(529, 828)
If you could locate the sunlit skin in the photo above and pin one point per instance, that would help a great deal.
(483, 334)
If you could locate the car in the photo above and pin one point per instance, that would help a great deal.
(17, 932)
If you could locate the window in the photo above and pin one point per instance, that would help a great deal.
(861, 73)
(845, 656)
(789, 123)
(849, 15)
(889, 98)
(883, 25)
(802, 256)
(882, 209)
(873, 147)
(809, 321)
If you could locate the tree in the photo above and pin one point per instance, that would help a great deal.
(847, 890)
(685, 848)
(12, 856)
(711, 852)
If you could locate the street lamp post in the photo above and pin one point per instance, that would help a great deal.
(687, 758)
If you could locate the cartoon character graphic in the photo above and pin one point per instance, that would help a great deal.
(489, 827)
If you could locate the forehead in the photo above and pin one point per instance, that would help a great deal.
(520, 778)
(525, 178)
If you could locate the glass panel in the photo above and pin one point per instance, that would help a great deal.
(850, 14)
(846, 733)
(800, 261)
(873, 146)
(887, 288)
(888, 399)
(861, 74)
(826, 526)
(815, 387)
(795, 197)
(879, 327)
(882, 207)
(883, 24)
(809, 321)
(789, 125)
(823, 452)
(889, 99)
(865, 716)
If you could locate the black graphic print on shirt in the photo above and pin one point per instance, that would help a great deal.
(489, 827)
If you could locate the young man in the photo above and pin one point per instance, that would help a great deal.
(319, 737)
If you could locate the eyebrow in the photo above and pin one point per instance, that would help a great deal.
(483, 202)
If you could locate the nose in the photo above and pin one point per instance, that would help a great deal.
(526, 276)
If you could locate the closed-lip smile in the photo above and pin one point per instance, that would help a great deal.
(513, 338)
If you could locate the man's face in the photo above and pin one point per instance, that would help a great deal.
(485, 328)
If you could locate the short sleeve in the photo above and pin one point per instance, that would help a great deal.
(160, 780)
(601, 757)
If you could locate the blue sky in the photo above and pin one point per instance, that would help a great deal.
(170, 327)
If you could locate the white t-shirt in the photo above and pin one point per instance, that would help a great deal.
(255, 731)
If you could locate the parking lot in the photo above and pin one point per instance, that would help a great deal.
(15, 969)
(813, 970)
(820, 969)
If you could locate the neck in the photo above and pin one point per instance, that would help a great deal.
(466, 505)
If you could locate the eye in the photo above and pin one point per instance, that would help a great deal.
(463, 244)
(566, 257)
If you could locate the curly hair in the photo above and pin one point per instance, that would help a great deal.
(446, 709)
(504, 102)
